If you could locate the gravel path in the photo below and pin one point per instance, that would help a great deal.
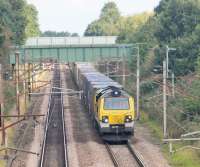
(150, 152)
(32, 160)
(24, 136)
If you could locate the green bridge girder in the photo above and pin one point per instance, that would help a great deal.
(72, 52)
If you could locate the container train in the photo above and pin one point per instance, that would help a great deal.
(111, 108)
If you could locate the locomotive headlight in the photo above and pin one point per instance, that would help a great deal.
(128, 118)
(105, 119)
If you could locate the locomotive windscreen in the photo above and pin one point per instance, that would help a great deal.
(116, 103)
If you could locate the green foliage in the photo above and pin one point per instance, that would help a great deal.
(188, 157)
(175, 23)
(9, 93)
(2, 36)
(111, 23)
(192, 108)
(94, 29)
(74, 34)
(18, 18)
(110, 13)
(32, 28)
(107, 24)
(17, 21)
(191, 105)
(58, 34)
(131, 24)
(177, 19)
(147, 87)
(5, 19)
(183, 158)
(198, 66)
(178, 26)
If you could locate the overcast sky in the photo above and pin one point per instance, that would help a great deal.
(75, 15)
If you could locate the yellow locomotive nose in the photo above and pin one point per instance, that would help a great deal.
(116, 119)
(120, 118)
(118, 109)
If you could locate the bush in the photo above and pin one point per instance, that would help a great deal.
(192, 108)
(148, 87)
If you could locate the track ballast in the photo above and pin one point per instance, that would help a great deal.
(54, 151)
(118, 161)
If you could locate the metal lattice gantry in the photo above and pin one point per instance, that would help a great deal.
(72, 49)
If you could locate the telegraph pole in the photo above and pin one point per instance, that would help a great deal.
(17, 82)
(3, 124)
(32, 74)
(124, 72)
(107, 68)
(164, 100)
(117, 66)
(29, 81)
(24, 84)
(167, 68)
(138, 83)
(173, 85)
(2, 106)
(167, 59)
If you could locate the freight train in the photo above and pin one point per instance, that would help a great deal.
(111, 108)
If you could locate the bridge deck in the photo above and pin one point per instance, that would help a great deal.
(71, 49)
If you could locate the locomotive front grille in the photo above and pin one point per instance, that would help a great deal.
(116, 119)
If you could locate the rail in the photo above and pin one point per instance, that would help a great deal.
(50, 112)
(112, 155)
(64, 133)
(134, 154)
(45, 133)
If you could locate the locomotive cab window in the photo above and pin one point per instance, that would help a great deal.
(118, 103)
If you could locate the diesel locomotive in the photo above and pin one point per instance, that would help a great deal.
(111, 108)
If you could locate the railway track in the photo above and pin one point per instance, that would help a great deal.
(138, 161)
(112, 155)
(54, 148)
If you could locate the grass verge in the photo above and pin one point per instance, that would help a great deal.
(184, 158)
(9, 93)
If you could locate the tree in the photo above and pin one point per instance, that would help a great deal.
(129, 25)
(110, 13)
(32, 27)
(162, 6)
(18, 20)
(94, 29)
(175, 23)
(5, 20)
(178, 18)
(108, 22)
(74, 35)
